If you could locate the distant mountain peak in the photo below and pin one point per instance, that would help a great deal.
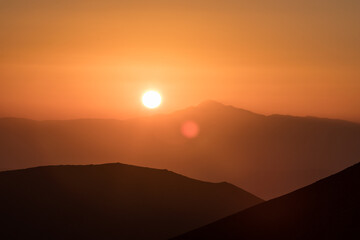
(211, 104)
(216, 106)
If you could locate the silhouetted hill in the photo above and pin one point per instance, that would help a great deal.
(111, 201)
(327, 209)
(267, 155)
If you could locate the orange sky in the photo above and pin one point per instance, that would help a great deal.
(80, 59)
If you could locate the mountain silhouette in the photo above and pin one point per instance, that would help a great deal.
(327, 209)
(266, 155)
(110, 201)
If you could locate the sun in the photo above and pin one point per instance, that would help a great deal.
(151, 99)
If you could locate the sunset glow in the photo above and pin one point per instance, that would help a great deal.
(257, 55)
(146, 119)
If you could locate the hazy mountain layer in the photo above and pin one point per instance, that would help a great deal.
(267, 155)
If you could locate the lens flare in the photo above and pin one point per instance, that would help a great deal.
(190, 129)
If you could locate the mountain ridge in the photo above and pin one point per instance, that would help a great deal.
(111, 165)
(207, 104)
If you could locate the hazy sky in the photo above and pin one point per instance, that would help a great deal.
(63, 59)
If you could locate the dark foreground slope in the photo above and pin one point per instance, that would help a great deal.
(111, 201)
(327, 209)
(267, 155)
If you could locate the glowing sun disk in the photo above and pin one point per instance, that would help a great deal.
(151, 99)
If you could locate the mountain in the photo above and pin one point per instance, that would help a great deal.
(111, 201)
(266, 155)
(327, 209)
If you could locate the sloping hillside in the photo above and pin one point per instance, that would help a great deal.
(327, 209)
(111, 201)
